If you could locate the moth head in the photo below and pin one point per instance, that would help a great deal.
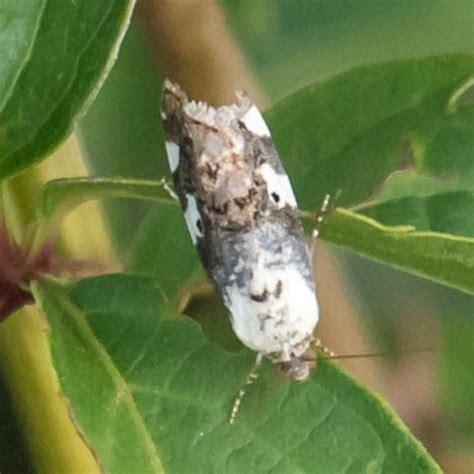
(298, 367)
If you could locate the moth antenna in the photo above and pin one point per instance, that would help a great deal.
(319, 345)
(319, 216)
(366, 355)
(251, 378)
(168, 188)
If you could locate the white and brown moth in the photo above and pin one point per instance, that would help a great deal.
(242, 215)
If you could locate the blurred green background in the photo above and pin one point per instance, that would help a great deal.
(289, 44)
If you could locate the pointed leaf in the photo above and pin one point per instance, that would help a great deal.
(146, 393)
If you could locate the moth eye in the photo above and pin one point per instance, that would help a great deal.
(275, 197)
(199, 225)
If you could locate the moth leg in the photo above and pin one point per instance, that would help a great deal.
(319, 219)
(320, 215)
(168, 188)
(251, 377)
(319, 345)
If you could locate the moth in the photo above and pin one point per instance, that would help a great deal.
(243, 217)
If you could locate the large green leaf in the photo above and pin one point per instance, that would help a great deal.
(60, 196)
(60, 54)
(151, 394)
(345, 136)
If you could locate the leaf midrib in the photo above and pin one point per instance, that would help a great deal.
(400, 230)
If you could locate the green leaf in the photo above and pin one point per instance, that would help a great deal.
(437, 244)
(59, 197)
(351, 132)
(150, 394)
(60, 54)
(444, 258)
(19, 21)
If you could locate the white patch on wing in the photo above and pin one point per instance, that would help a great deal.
(254, 122)
(281, 324)
(172, 150)
(279, 188)
(192, 217)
